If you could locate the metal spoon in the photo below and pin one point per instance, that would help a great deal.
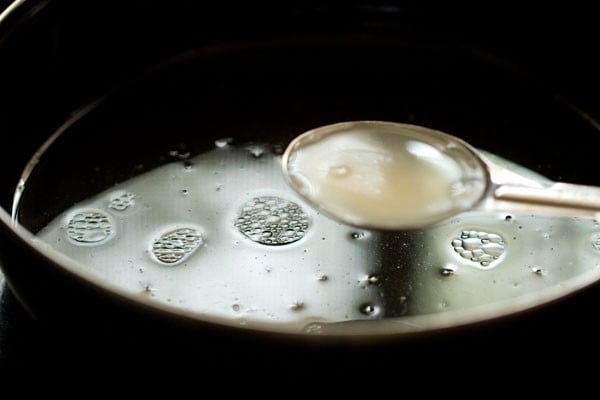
(395, 176)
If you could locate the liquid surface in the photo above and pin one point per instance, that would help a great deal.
(382, 174)
(176, 234)
(222, 235)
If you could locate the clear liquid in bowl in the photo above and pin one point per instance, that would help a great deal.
(222, 235)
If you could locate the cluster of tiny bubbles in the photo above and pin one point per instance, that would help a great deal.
(175, 245)
(479, 247)
(448, 270)
(122, 202)
(223, 142)
(89, 227)
(272, 220)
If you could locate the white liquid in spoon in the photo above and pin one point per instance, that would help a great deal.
(372, 174)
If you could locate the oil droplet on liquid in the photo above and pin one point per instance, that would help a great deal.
(122, 201)
(172, 247)
(479, 247)
(272, 220)
(89, 227)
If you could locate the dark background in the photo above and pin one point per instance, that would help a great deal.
(555, 42)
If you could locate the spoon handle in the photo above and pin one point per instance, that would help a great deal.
(558, 197)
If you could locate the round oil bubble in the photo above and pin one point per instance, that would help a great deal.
(480, 247)
(272, 220)
(89, 226)
(175, 245)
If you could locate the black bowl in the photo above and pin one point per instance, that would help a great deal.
(508, 82)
